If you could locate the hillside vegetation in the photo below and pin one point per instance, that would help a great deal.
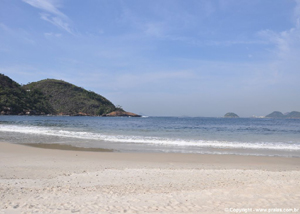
(68, 99)
(17, 101)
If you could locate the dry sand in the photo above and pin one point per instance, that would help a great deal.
(35, 180)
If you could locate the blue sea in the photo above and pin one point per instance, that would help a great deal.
(239, 136)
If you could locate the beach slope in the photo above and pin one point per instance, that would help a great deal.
(48, 180)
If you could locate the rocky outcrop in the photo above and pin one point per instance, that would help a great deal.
(121, 114)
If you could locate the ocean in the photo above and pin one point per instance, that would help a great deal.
(203, 135)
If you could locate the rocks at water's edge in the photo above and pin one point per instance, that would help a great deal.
(121, 114)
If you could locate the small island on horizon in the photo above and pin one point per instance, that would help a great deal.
(274, 114)
(290, 115)
(231, 115)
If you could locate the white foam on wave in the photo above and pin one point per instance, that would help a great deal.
(149, 140)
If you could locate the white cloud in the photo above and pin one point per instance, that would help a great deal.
(286, 51)
(53, 14)
(46, 5)
(286, 43)
(57, 21)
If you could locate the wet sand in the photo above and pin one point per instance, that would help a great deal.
(66, 147)
(36, 180)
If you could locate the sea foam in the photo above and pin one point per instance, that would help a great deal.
(58, 132)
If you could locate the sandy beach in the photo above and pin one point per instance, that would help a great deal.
(37, 180)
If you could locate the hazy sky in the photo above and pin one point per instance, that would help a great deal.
(160, 57)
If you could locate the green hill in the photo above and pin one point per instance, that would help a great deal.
(293, 114)
(275, 114)
(68, 99)
(16, 100)
(231, 115)
(278, 114)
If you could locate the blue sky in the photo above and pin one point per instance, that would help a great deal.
(160, 57)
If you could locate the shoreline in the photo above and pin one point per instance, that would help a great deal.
(204, 160)
(63, 181)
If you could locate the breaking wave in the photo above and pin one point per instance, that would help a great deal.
(58, 132)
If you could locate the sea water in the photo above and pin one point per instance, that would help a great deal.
(240, 136)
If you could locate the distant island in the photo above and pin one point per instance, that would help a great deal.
(274, 114)
(231, 115)
(278, 114)
(54, 97)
